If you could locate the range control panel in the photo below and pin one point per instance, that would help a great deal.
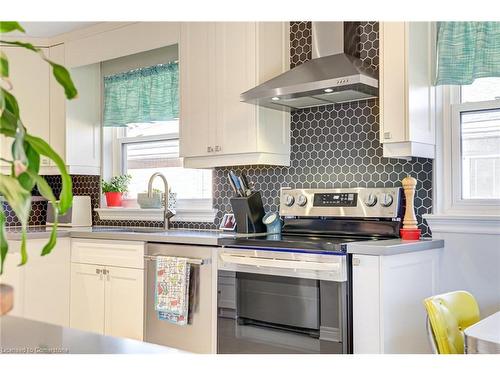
(352, 202)
(335, 199)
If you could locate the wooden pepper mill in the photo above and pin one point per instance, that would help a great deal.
(410, 230)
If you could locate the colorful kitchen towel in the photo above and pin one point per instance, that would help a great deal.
(172, 289)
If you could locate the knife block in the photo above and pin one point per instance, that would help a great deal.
(248, 213)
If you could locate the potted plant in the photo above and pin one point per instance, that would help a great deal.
(114, 189)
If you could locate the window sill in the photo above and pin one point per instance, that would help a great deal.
(156, 214)
(472, 224)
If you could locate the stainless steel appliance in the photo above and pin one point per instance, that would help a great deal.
(291, 292)
(199, 335)
(334, 75)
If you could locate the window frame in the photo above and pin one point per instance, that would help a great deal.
(448, 171)
(120, 139)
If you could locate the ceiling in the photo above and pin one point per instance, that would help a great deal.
(50, 29)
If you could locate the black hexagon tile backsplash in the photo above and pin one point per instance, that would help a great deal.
(331, 146)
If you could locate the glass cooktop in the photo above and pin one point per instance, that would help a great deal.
(295, 243)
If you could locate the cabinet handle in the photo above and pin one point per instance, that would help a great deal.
(356, 261)
(210, 149)
(218, 148)
(387, 135)
(99, 272)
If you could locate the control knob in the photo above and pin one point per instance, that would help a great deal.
(371, 200)
(289, 200)
(302, 200)
(386, 199)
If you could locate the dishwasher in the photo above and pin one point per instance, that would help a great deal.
(200, 334)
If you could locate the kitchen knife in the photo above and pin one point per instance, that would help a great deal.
(231, 182)
(237, 184)
(246, 185)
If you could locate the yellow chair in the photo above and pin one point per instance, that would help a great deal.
(449, 314)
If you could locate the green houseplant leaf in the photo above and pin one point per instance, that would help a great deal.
(26, 151)
(3, 239)
(9, 26)
(60, 73)
(4, 65)
(19, 200)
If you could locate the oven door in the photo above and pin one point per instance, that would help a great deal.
(278, 302)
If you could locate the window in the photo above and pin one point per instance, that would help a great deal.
(480, 148)
(473, 144)
(141, 131)
(146, 148)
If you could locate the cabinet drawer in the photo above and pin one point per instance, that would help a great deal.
(107, 252)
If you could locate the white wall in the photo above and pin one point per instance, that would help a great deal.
(471, 262)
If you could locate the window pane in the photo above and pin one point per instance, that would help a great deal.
(142, 159)
(481, 89)
(152, 128)
(481, 154)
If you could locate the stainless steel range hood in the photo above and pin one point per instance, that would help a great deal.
(332, 76)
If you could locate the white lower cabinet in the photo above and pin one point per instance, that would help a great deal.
(388, 314)
(14, 276)
(124, 302)
(41, 287)
(87, 298)
(47, 282)
(107, 292)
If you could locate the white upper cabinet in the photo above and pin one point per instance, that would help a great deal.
(407, 94)
(72, 128)
(83, 121)
(219, 61)
(29, 75)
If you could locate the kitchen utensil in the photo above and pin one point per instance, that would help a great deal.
(245, 181)
(273, 222)
(236, 181)
(231, 182)
(245, 188)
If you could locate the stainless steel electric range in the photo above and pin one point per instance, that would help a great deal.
(291, 292)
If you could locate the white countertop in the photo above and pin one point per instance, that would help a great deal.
(209, 238)
(393, 247)
(180, 236)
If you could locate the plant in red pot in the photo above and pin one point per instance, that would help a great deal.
(115, 188)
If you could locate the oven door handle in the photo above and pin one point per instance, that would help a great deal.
(280, 263)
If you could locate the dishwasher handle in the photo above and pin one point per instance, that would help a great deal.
(194, 261)
(279, 263)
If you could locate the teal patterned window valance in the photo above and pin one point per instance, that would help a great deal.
(142, 95)
(466, 51)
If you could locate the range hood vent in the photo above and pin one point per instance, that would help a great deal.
(334, 75)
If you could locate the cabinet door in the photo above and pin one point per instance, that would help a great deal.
(197, 88)
(57, 107)
(47, 283)
(392, 92)
(124, 302)
(83, 119)
(366, 304)
(29, 75)
(87, 298)
(14, 276)
(235, 70)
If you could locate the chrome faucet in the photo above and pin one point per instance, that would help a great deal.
(168, 214)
